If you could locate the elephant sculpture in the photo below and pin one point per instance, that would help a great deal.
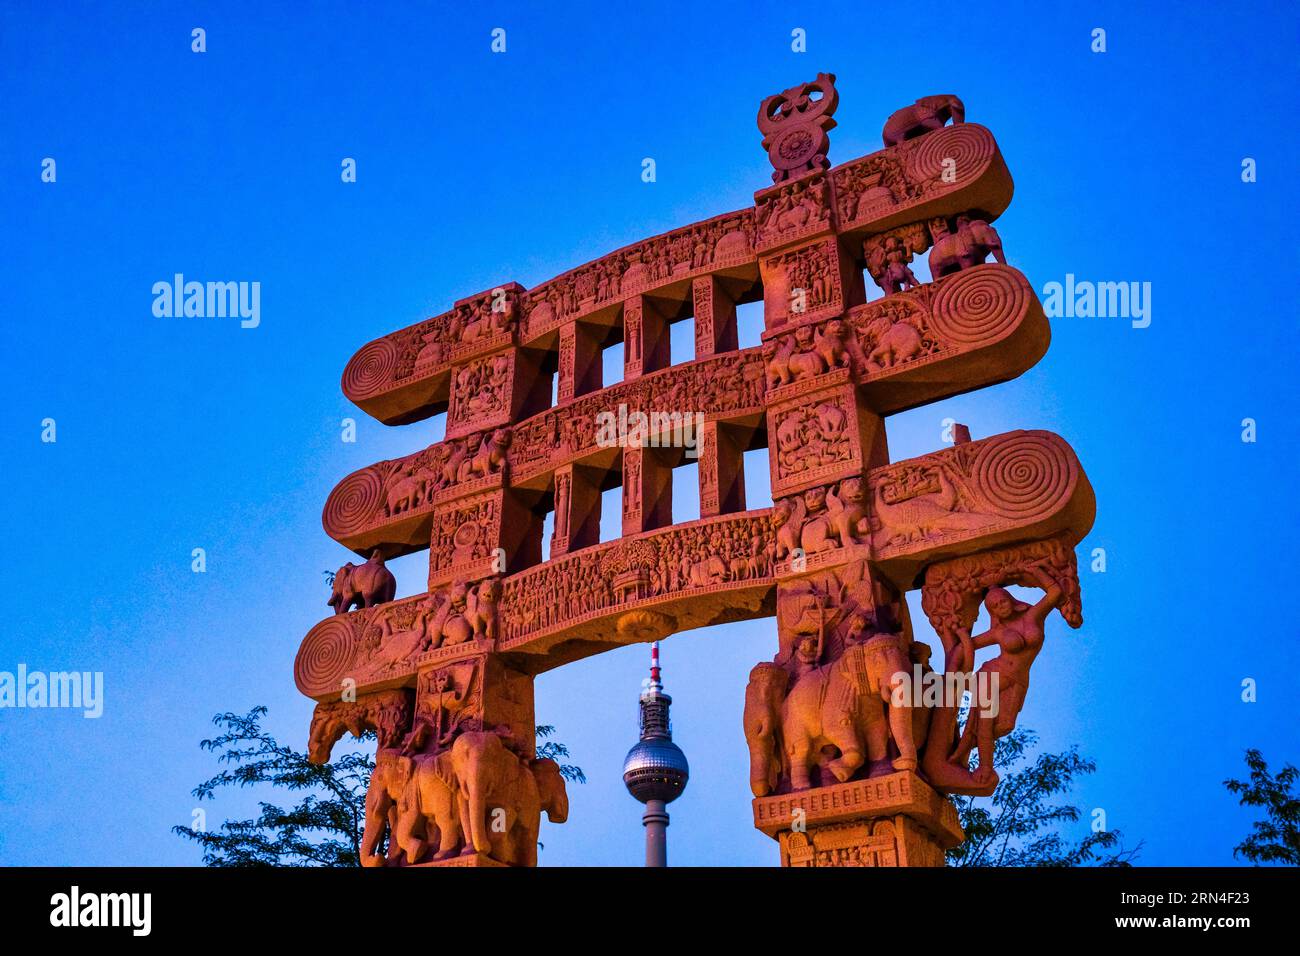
(832, 704)
(417, 800)
(763, 696)
(504, 796)
(405, 493)
(895, 341)
(925, 115)
(362, 585)
(711, 570)
(967, 246)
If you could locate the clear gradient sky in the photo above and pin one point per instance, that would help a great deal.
(475, 169)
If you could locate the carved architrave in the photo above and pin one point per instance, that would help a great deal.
(724, 242)
(402, 376)
(719, 387)
(922, 178)
(391, 501)
(868, 189)
(1023, 484)
(601, 583)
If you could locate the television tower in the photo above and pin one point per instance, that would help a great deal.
(655, 771)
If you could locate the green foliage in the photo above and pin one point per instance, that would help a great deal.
(554, 750)
(1018, 825)
(324, 828)
(1275, 839)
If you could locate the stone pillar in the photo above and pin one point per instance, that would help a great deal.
(646, 342)
(579, 361)
(577, 510)
(647, 490)
(466, 689)
(715, 318)
(837, 622)
(721, 471)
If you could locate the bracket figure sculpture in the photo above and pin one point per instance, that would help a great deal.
(848, 766)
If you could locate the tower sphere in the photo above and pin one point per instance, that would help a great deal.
(656, 769)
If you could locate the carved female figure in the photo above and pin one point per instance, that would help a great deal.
(1017, 629)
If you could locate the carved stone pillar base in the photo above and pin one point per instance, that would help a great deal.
(464, 859)
(893, 820)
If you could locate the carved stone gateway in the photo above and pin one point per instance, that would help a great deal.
(854, 730)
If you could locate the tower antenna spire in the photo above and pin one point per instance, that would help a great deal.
(655, 770)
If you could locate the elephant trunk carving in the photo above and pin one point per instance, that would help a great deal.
(476, 795)
(378, 804)
(763, 696)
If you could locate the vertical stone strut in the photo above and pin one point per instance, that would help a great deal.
(848, 760)
(852, 750)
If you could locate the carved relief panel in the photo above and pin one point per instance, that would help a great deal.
(466, 539)
(806, 283)
(481, 393)
(793, 211)
(820, 437)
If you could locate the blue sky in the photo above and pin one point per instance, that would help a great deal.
(475, 169)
